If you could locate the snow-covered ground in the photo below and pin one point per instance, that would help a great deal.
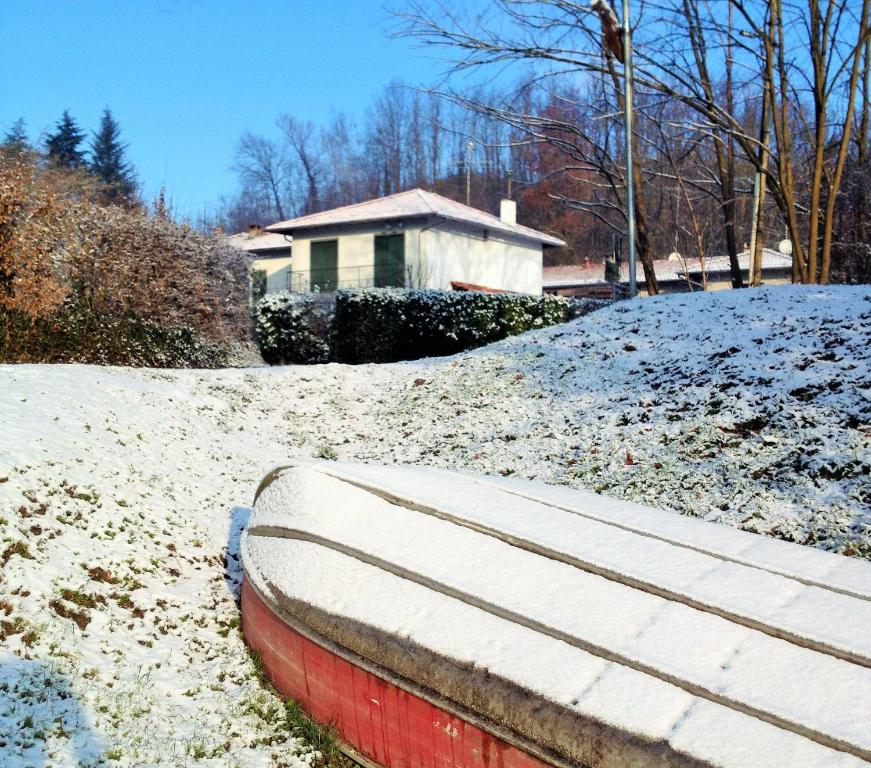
(120, 490)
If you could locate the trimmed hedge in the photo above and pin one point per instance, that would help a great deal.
(293, 328)
(382, 325)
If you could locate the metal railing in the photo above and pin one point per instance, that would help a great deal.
(363, 276)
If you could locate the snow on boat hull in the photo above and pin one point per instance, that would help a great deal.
(376, 718)
(443, 620)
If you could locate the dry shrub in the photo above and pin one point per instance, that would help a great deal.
(127, 262)
(33, 223)
(72, 267)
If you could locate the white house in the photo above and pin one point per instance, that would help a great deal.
(415, 239)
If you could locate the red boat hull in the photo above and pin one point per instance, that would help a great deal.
(380, 720)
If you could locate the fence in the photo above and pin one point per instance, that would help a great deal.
(362, 276)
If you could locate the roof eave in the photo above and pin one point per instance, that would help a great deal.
(286, 227)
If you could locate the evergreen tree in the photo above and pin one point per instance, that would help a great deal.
(63, 144)
(15, 140)
(108, 162)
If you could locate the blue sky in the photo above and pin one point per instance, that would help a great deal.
(185, 78)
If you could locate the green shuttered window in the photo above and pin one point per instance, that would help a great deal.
(325, 265)
(389, 261)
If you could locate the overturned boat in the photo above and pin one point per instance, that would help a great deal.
(448, 620)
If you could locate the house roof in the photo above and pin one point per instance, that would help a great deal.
(260, 243)
(771, 259)
(412, 204)
(667, 270)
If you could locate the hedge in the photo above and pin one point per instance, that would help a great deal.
(381, 325)
(384, 325)
(293, 328)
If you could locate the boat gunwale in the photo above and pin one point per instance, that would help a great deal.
(433, 698)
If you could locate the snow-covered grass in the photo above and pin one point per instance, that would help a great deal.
(121, 490)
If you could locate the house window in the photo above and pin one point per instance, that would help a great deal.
(258, 285)
(389, 268)
(324, 265)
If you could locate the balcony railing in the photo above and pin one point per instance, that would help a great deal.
(365, 276)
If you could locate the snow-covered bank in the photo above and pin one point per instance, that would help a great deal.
(749, 408)
(118, 488)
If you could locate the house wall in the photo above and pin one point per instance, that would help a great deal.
(721, 281)
(356, 251)
(436, 253)
(277, 270)
(451, 252)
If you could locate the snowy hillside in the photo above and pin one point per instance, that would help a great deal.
(749, 408)
(120, 490)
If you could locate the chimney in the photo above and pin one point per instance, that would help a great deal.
(254, 230)
(508, 211)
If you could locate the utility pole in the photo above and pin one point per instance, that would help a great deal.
(617, 40)
(630, 177)
(469, 147)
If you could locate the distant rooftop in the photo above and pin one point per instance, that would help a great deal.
(260, 242)
(412, 204)
(771, 259)
(667, 270)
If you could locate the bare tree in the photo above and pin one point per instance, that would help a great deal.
(803, 60)
(250, 205)
(563, 35)
(344, 181)
(769, 41)
(262, 166)
(688, 190)
(304, 141)
(580, 130)
(723, 140)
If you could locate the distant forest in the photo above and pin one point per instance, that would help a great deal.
(412, 138)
